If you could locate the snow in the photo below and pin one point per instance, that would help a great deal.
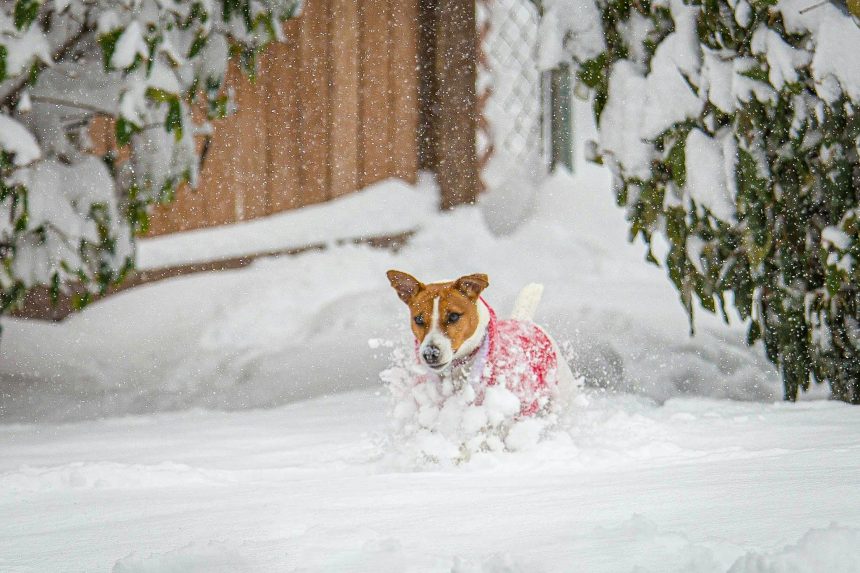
(692, 485)
(245, 332)
(23, 48)
(718, 76)
(621, 121)
(15, 139)
(571, 26)
(59, 198)
(669, 97)
(782, 60)
(833, 548)
(77, 82)
(835, 67)
(836, 237)
(387, 208)
(236, 421)
(130, 45)
(743, 14)
(708, 171)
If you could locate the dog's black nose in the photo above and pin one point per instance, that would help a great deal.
(431, 354)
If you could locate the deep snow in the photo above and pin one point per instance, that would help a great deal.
(694, 485)
(653, 467)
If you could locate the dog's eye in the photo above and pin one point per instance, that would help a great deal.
(419, 320)
(453, 317)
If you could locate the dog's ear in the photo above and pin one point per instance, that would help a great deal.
(472, 285)
(405, 284)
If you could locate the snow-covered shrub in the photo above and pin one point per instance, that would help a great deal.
(733, 129)
(66, 214)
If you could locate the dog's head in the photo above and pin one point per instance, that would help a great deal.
(443, 315)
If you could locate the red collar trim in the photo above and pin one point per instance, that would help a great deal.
(490, 333)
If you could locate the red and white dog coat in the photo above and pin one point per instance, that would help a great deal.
(517, 354)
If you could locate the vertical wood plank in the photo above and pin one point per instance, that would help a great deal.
(344, 128)
(233, 179)
(454, 129)
(404, 88)
(427, 83)
(315, 101)
(252, 182)
(99, 134)
(282, 117)
(161, 221)
(375, 142)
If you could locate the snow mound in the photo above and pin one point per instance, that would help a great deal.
(655, 550)
(833, 549)
(193, 558)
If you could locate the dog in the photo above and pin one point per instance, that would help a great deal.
(458, 337)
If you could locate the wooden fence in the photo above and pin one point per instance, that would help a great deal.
(334, 109)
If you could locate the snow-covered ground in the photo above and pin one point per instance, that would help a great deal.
(236, 421)
(696, 485)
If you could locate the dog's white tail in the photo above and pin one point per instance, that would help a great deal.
(527, 302)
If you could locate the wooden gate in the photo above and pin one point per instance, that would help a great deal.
(334, 109)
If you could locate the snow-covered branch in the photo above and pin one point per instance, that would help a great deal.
(733, 130)
(66, 214)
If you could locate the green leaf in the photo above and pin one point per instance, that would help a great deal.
(173, 121)
(124, 130)
(108, 44)
(758, 74)
(81, 299)
(833, 280)
(231, 8)
(197, 45)
(592, 72)
(25, 12)
(754, 333)
(676, 226)
(3, 55)
(677, 160)
(55, 288)
(159, 95)
(218, 107)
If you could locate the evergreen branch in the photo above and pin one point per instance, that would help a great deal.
(10, 100)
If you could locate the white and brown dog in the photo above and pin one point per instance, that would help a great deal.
(457, 336)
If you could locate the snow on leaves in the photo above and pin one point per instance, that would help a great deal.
(66, 214)
(733, 131)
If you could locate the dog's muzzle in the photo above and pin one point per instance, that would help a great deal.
(432, 356)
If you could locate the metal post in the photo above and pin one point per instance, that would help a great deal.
(560, 118)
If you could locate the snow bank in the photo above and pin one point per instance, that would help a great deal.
(833, 549)
(386, 208)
